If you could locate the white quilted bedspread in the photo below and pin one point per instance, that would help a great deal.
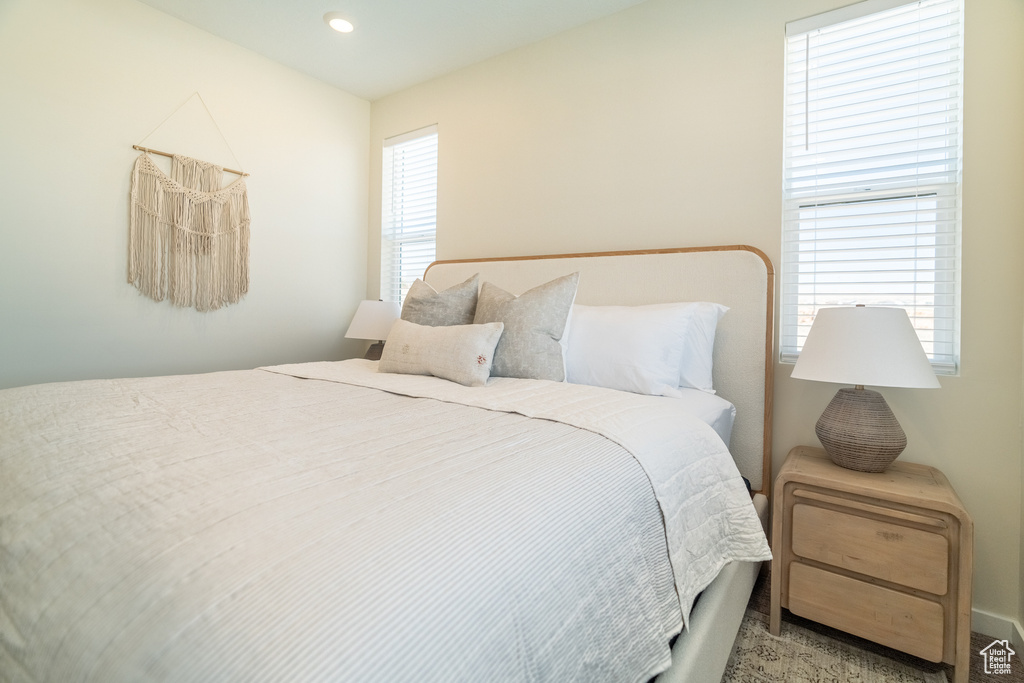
(253, 526)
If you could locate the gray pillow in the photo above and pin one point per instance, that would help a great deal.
(454, 306)
(534, 324)
(460, 353)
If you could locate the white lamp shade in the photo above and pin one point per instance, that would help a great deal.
(865, 345)
(373, 320)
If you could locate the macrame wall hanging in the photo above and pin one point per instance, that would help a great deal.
(188, 237)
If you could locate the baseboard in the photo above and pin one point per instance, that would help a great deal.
(998, 627)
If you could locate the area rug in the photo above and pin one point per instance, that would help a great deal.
(802, 655)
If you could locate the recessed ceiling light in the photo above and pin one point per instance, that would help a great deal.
(338, 23)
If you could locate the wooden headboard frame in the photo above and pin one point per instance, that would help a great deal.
(738, 276)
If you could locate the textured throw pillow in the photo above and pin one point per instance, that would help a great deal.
(534, 324)
(629, 348)
(453, 306)
(460, 353)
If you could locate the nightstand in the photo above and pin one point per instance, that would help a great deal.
(887, 556)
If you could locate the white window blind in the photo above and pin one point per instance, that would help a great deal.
(409, 211)
(871, 194)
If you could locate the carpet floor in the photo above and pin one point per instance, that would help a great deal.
(799, 654)
(813, 652)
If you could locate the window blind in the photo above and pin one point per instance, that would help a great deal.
(409, 211)
(871, 194)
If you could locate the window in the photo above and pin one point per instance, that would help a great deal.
(871, 194)
(409, 210)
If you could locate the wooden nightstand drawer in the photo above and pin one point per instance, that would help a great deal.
(899, 620)
(901, 554)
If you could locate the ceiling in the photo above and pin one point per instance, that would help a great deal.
(395, 44)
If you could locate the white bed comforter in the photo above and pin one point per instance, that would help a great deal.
(248, 526)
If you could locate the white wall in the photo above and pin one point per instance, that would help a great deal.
(81, 82)
(661, 126)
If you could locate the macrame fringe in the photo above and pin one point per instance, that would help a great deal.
(188, 239)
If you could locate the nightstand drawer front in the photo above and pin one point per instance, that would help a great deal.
(891, 552)
(885, 616)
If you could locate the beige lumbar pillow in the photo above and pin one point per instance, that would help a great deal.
(453, 306)
(460, 353)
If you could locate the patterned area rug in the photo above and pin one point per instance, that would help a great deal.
(802, 655)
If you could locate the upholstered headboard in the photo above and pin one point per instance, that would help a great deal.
(739, 277)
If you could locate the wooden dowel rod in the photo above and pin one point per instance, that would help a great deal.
(166, 154)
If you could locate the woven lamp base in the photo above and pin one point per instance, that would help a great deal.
(375, 351)
(859, 431)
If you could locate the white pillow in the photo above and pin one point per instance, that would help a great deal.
(460, 353)
(696, 365)
(630, 348)
(653, 349)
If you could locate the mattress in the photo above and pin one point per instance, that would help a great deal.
(711, 409)
(326, 522)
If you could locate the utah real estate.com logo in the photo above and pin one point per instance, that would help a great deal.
(997, 657)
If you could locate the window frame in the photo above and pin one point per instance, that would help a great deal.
(408, 233)
(916, 205)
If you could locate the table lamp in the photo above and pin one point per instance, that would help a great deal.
(863, 345)
(373, 320)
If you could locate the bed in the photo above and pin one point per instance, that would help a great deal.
(326, 521)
